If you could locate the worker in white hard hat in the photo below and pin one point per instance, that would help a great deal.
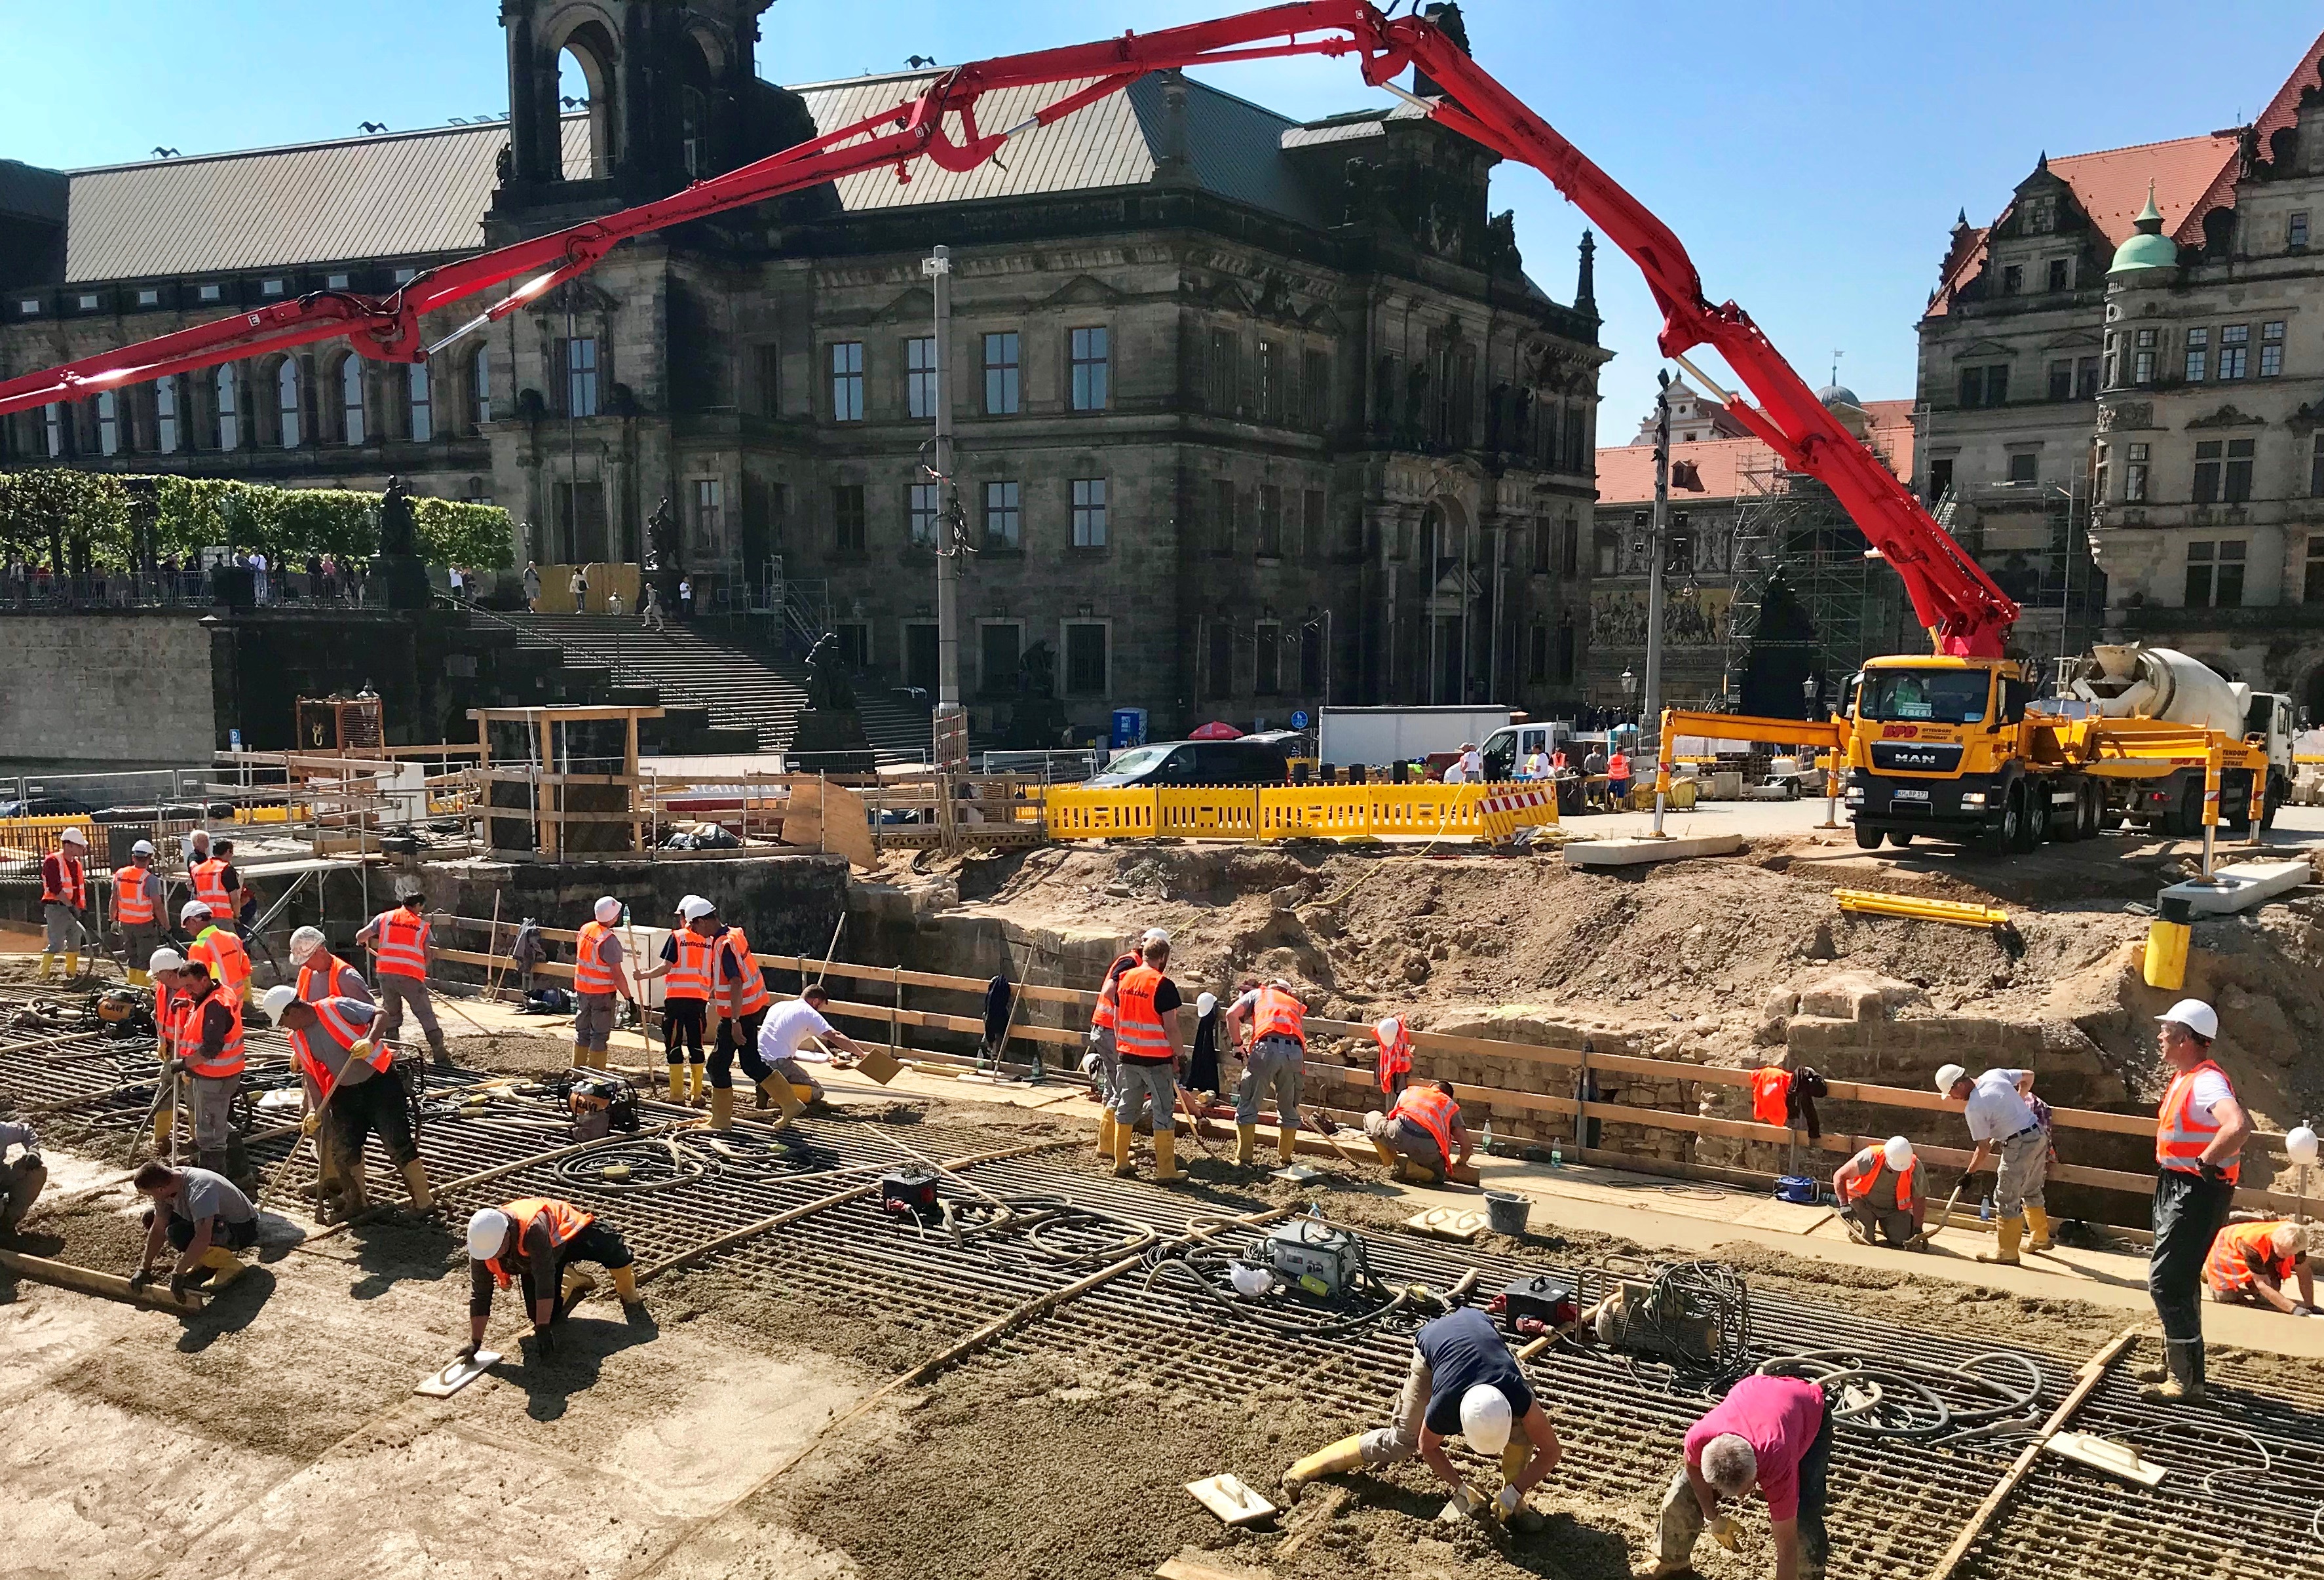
(165, 968)
(1102, 1063)
(215, 949)
(353, 1093)
(1462, 1382)
(688, 961)
(139, 908)
(64, 904)
(2199, 1140)
(400, 951)
(1885, 1196)
(537, 1241)
(599, 977)
(2251, 1263)
(1274, 1065)
(1997, 1107)
(322, 975)
(1771, 1434)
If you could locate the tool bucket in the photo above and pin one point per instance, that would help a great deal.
(1506, 1211)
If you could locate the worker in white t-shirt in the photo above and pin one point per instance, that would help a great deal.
(786, 1041)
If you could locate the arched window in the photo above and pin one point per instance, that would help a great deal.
(480, 383)
(585, 79)
(351, 399)
(423, 425)
(286, 401)
(229, 419)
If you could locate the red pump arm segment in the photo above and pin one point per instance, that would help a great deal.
(1964, 610)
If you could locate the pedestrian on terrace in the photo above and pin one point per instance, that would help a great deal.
(531, 586)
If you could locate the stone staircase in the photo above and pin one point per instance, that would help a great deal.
(749, 701)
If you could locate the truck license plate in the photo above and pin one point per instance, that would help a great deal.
(1910, 795)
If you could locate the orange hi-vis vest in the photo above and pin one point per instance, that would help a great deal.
(227, 1060)
(318, 979)
(1433, 1111)
(1618, 766)
(1395, 1054)
(2180, 1137)
(228, 961)
(402, 946)
(132, 906)
(209, 887)
(755, 996)
(1862, 1185)
(590, 973)
(1771, 1091)
(690, 972)
(565, 1220)
(1138, 1029)
(1101, 1018)
(2241, 1247)
(69, 886)
(332, 1021)
(1278, 1015)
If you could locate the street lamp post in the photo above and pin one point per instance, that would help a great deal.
(1811, 689)
(938, 268)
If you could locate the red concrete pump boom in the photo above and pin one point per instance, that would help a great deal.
(1966, 613)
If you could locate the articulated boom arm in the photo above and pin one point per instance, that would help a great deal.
(1962, 607)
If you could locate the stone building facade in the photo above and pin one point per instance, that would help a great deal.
(1250, 411)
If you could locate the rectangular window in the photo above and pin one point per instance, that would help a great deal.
(423, 410)
(1610, 551)
(767, 370)
(1085, 659)
(1316, 389)
(1985, 386)
(581, 376)
(335, 282)
(2215, 575)
(2271, 349)
(709, 513)
(2086, 378)
(2148, 338)
(2199, 352)
(2316, 464)
(2012, 279)
(1941, 477)
(2312, 589)
(1269, 372)
(165, 414)
(270, 288)
(1223, 373)
(288, 405)
(1222, 516)
(1270, 522)
(2134, 489)
(28, 307)
(1221, 669)
(2235, 484)
(847, 381)
(2061, 381)
(2142, 367)
(1537, 654)
(2025, 467)
(2206, 471)
(1001, 374)
(999, 650)
(87, 301)
(1004, 516)
(1088, 348)
(52, 429)
(108, 422)
(847, 519)
(1267, 655)
(229, 426)
(480, 376)
(207, 293)
(2235, 342)
(149, 296)
(2060, 272)
(924, 502)
(1089, 513)
(1566, 648)
(921, 376)
(1315, 545)
(2295, 228)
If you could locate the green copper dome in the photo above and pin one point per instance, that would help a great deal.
(2148, 248)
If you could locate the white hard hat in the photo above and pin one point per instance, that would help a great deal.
(74, 837)
(2299, 1145)
(194, 910)
(487, 1231)
(142, 847)
(1206, 1002)
(2195, 1015)
(609, 911)
(1485, 1419)
(694, 908)
(278, 998)
(1949, 1076)
(166, 960)
(1898, 1152)
(1155, 935)
(304, 943)
(1388, 1029)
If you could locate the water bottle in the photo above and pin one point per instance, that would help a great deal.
(1489, 1138)
(1984, 1209)
(1557, 1156)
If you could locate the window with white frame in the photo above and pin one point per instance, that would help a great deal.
(2271, 349)
(351, 399)
(1089, 513)
(28, 307)
(2133, 476)
(335, 282)
(165, 414)
(211, 292)
(580, 356)
(480, 383)
(1003, 388)
(1004, 515)
(85, 301)
(52, 429)
(108, 422)
(405, 276)
(2234, 344)
(229, 419)
(921, 376)
(286, 402)
(1090, 366)
(270, 288)
(2199, 354)
(423, 402)
(709, 515)
(925, 501)
(847, 381)
(148, 296)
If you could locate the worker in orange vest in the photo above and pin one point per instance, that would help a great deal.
(686, 962)
(1146, 1005)
(1276, 1065)
(399, 944)
(165, 968)
(2251, 1263)
(137, 907)
(64, 903)
(2199, 1139)
(537, 1241)
(1102, 1063)
(217, 949)
(207, 1048)
(741, 1001)
(1884, 1195)
(1422, 1136)
(353, 1092)
(219, 886)
(323, 974)
(598, 980)
(1618, 779)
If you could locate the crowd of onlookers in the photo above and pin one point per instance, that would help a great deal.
(324, 579)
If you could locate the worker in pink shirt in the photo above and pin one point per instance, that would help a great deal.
(1771, 1433)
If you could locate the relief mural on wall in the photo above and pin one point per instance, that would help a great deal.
(1618, 618)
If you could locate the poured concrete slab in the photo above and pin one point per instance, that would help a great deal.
(1645, 850)
(2241, 886)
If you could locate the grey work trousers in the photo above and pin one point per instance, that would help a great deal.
(1895, 1226)
(2021, 1161)
(211, 1100)
(1399, 1440)
(1276, 1065)
(394, 994)
(65, 933)
(1107, 1074)
(1142, 1085)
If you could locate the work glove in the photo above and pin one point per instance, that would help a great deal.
(362, 1050)
(1507, 1501)
(543, 1345)
(1726, 1532)
(1465, 1501)
(140, 1278)
(312, 1122)
(467, 1352)
(176, 1286)
(2214, 1173)
(179, 1067)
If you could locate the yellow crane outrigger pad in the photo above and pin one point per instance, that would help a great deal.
(1955, 911)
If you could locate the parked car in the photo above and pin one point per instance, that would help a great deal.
(1253, 760)
(47, 807)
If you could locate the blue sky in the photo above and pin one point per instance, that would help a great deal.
(1811, 155)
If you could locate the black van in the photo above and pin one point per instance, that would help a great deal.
(1253, 760)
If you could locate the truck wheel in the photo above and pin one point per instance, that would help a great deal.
(2190, 810)
(1868, 838)
(2001, 839)
(1900, 837)
(2034, 815)
(2278, 793)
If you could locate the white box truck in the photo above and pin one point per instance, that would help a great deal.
(1377, 737)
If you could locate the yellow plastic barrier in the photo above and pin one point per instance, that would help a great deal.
(1483, 812)
(28, 839)
(1102, 814)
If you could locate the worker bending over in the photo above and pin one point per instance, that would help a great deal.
(206, 1045)
(788, 1037)
(740, 1000)
(353, 1092)
(21, 1182)
(1885, 1197)
(1276, 1064)
(599, 976)
(1462, 1380)
(1104, 1061)
(686, 963)
(399, 939)
(64, 904)
(1145, 1033)
(2250, 1264)
(1771, 1433)
(217, 949)
(537, 1241)
(203, 1217)
(2000, 1119)
(1420, 1130)
(138, 905)
(323, 974)
(2198, 1141)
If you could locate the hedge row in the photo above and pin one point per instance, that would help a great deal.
(50, 515)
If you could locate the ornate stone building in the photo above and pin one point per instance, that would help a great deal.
(1249, 410)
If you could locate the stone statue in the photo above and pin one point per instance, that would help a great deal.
(1037, 671)
(398, 536)
(661, 538)
(829, 687)
(829, 737)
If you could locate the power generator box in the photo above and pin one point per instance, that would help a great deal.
(1542, 1298)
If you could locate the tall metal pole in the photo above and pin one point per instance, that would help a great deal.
(939, 269)
(1658, 550)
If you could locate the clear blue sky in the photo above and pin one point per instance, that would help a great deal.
(1812, 155)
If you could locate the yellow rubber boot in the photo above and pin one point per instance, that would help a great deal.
(415, 1180)
(779, 1089)
(1385, 1153)
(2012, 1232)
(1347, 1454)
(1246, 1142)
(72, 966)
(698, 1080)
(165, 1120)
(625, 1277)
(580, 1056)
(1166, 1155)
(1124, 1137)
(1105, 1134)
(2038, 1220)
(574, 1284)
(721, 1108)
(677, 1082)
(48, 966)
(1286, 1145)
(225, 1268)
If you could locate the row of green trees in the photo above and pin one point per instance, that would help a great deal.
(80, 522)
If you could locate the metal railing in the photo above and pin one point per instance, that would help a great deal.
(1487, 813)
